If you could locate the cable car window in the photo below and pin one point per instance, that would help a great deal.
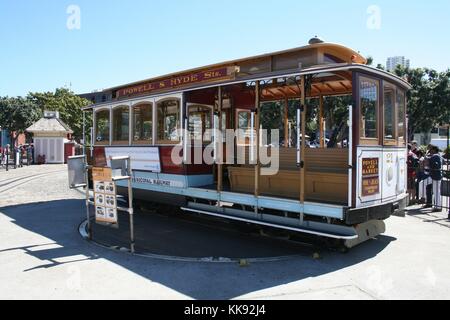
(244, 126)
(143, 123)
(369, 108)
(401, 116)
(102, 126)
(389, 113)
(200, 120)
(121, 124)
(169, 121)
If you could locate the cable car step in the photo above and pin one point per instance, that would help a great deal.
(308, 227)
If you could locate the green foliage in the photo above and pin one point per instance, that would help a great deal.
(17, 114)
(447, 153)
(429, 99)
(424, 149)
(69, 106)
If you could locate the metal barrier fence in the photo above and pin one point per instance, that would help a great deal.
(431, 187)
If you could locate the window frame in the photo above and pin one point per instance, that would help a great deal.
(179, 118)
(210, 108)
(393, 141)
(133, 123)
(243, 142)
(401, 142)
(113, 124)
(107, 142)
(364, 140)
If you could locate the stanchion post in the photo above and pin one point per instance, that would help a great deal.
(130, 205)
(88, 213)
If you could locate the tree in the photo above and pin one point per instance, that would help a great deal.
(17, 114)
(69, 106)
(428, 100)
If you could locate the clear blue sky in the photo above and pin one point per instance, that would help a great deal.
(124, 41)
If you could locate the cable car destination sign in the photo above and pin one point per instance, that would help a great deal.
(212, 75)
(370, 177)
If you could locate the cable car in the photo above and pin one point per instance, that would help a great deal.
(226, 140)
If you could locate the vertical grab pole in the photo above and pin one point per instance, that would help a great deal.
(286, 123)
(220, 158)
(88, 213)
(252, 137)
(322, 123)
(91, 149)
(350, 155)
(255, 144)
(299, 129)
(130, 204)
(256, 132)
(84, 133)
(448, 166)
(303, 147)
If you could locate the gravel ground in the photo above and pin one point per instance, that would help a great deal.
(35, 184)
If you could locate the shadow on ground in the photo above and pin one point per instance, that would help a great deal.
(428, 216)
(58, 222)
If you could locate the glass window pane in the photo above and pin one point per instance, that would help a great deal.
(401, 115)
(121, 118)
(199, 121)
(369, 108)
(169, 120)
(102, 126)
(244, 127)
(143, 123)
(389, 113)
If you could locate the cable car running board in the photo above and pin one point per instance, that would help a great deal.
(313, 228)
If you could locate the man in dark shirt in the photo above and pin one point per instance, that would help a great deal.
(436, 176)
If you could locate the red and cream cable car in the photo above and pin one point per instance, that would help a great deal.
(310, 140)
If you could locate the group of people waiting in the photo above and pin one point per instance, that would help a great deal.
(18, 154)
(425, 174)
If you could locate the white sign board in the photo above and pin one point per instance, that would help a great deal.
(105, 202)
(142, 158)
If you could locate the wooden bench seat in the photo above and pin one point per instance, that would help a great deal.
(326, 176)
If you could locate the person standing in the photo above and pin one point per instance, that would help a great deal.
(425, 181)
(436, 176)
(415, 147)
(413, 163)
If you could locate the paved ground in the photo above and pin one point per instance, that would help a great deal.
(42, 256)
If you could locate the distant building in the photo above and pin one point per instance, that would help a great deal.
(393, 62)
(50, 136)
(439, 132)
(5, 138)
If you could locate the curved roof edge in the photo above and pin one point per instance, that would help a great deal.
(345, 51)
